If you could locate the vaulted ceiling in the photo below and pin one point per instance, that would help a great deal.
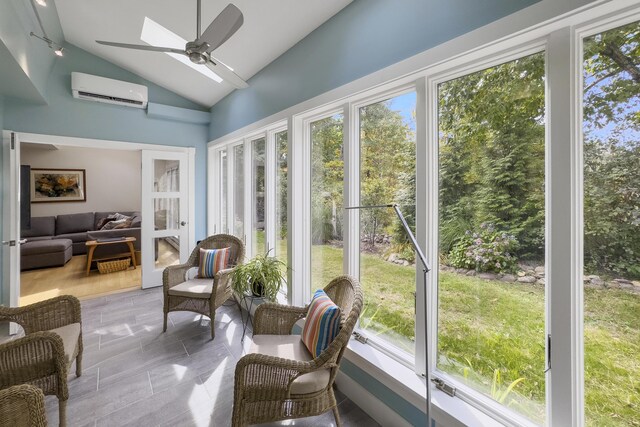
(270, 28)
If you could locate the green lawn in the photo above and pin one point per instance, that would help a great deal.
(489, 326)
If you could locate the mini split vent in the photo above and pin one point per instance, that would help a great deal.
(109, 91)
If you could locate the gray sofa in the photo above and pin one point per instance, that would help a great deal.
(51, 241)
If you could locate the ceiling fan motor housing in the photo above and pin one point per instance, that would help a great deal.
(197, 52)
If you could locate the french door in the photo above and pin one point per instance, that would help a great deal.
(165, 213)
(11, 219)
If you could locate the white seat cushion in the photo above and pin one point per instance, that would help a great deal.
(69, 335)
(292, 347)
(193, 288)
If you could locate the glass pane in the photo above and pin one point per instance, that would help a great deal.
(166, 213)
(238, 197)
(166, 175)
(258, 194)
(223, 192)
(612, 227)
(491, 287)
(387, 259)
(281, 198)
(167, 250)
(327, 175)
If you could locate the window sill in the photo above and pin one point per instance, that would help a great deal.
(402, 381)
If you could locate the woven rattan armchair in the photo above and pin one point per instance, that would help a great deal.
(198, 295)
(52, 341)
(270, 386)
(22, 406)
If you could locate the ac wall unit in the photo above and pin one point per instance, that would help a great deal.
(109, 91)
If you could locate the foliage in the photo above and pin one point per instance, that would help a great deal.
(261, 276)
(485, 250)
(498, 392)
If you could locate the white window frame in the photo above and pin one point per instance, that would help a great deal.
(561, 33)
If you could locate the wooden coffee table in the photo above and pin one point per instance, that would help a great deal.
(93, 244)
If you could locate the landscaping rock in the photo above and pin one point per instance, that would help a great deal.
(521, 273)
(636, 283)
(461, 270)
(627, 286)
(539, 270)
(470, 273)
(527, 279)
(597, 281)
(541, 281)
(508, 278)
(405, 262)
(488, 276)
(621, 281)
(612, 285)
(393, 257)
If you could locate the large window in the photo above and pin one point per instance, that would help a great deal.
(224, 227)
(327, 181)
(282, 166)
(611, 156)
(387, 259)
(491, 290)
(258, 196)
(238, 194)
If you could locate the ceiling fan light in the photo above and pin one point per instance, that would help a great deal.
(42, 2)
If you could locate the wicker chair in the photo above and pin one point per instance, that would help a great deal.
(201, 296)
(52, 341)
(22, 406)
(269, 386)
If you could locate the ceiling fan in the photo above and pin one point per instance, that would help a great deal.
(199, 51)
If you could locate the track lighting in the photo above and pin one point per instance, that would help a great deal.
(57, 49)
(42, 2)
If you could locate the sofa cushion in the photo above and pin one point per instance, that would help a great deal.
(291, 347)
(44, 247)
(74, 237)
(74, 223)
(194, 288)
(69, 334)
(41, 226)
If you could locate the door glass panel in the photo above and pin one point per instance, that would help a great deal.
(238, 196)
(387, 259)
(491, 287)
(327, 175)
(166, 175)
(258, 194)
(167, 251)
(223, 192)
(611, 153)
(166, 213)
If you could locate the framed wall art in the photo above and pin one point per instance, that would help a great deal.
(58, 185)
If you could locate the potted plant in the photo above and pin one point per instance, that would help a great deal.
(260, 276)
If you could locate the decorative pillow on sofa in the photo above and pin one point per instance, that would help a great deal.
(212, 261)
(120, 217)
(103, 221)
(322, 324)
(117, 224)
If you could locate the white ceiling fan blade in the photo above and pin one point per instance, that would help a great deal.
(226, 73)
(143, 47)
(224, 26)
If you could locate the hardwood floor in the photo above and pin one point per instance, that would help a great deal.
(40, 284)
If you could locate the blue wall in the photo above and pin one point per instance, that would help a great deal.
(366, 36)
(67, 116)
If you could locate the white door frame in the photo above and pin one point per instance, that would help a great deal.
(11, 221)
(122, 145)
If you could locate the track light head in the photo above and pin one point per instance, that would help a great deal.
(59, 51)
(42, 2)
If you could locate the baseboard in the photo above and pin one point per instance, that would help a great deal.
(370, 404)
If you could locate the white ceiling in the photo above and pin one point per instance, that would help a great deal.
(270, 28)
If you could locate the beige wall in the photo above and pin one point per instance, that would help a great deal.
(113, 177)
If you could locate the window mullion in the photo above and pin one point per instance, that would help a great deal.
(270, 192)
(564, 289)
(351, 234)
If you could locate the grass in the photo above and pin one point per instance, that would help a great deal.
(490, 326)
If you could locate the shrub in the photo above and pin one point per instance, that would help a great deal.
(486, 250)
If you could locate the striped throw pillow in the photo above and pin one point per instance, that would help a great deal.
(212, 261)
(322, 324)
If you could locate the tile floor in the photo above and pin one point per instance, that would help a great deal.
(135, 375)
